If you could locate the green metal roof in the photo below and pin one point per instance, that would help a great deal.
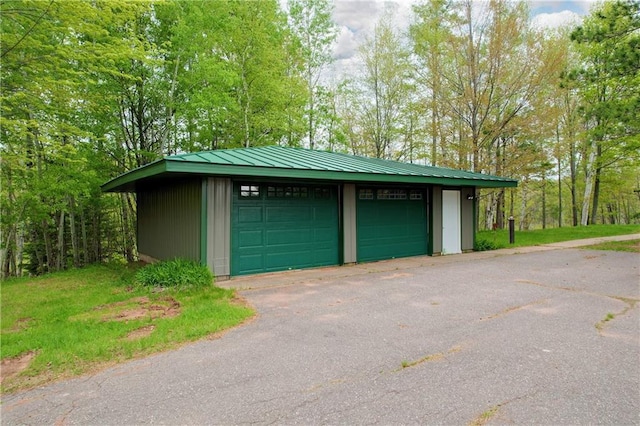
(297, 163)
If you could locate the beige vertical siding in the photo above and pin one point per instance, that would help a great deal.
(436, 219)
(349, 225)
(219, 195)
(169, 220)
(466, 219)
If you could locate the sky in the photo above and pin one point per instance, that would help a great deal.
(356, 19)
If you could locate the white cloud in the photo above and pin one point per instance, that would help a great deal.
(356, 20)
(555, 20)
(578, 6)
(356, 15)
(346, 44)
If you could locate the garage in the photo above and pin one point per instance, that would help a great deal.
(278, 227)
(391, 222)
(273, 208)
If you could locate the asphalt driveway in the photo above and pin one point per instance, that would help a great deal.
(518, 338)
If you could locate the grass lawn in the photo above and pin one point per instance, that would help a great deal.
(500, 238)
(73, 322)
(632, 246)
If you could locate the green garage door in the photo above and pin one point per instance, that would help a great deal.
(280, 227)
(390, 223)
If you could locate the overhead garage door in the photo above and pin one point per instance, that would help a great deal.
(391, 222)
(280, 227)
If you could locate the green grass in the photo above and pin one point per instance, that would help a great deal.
(485, 417)
(632, 246)
(79, 320)
(500, 238)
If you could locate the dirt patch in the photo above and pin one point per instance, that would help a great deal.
(141, 332)
(140, 307)
(241, 301)
(11, 367)
(20, 325)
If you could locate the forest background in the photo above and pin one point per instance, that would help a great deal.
(91, 89)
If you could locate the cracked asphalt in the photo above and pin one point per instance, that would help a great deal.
(518, 338)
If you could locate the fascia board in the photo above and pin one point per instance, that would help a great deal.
(149, 170)
(273, 172)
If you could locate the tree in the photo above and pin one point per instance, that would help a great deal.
(385, 87)
(429, 34)
(51, 54)
(485, 71)
(238, 74)
(312, 25)
(609, 82)
(565, 101)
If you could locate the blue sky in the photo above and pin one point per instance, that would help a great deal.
(550, 6)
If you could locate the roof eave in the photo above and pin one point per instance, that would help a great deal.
(127, 181)
(274, 172)
(121, 183)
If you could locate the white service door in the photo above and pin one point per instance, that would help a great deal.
(451, 239)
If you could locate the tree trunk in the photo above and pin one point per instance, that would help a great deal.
(60, 261)
(19, 256)
(129, 246)
(434, 128)
(596, 196)
(95, 237)
(490, 210)
(626, 212)
(140, 121)
(559, 193)
(312, 142)
(499, 220)
(574, 190)
(523, 209)
(511, 202)
(85, 245)
(500, 209)
(544, 201)
(5, 253)
(45, 265)
(74, 236)
(612, 214)
(588, 188)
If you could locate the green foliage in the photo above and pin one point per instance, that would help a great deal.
(176, 274)
(608, 80)
(53, 162)
(487, 241)
(314, 32)
(75, 321)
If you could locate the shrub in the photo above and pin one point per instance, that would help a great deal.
(177, 273)
(483, 244)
